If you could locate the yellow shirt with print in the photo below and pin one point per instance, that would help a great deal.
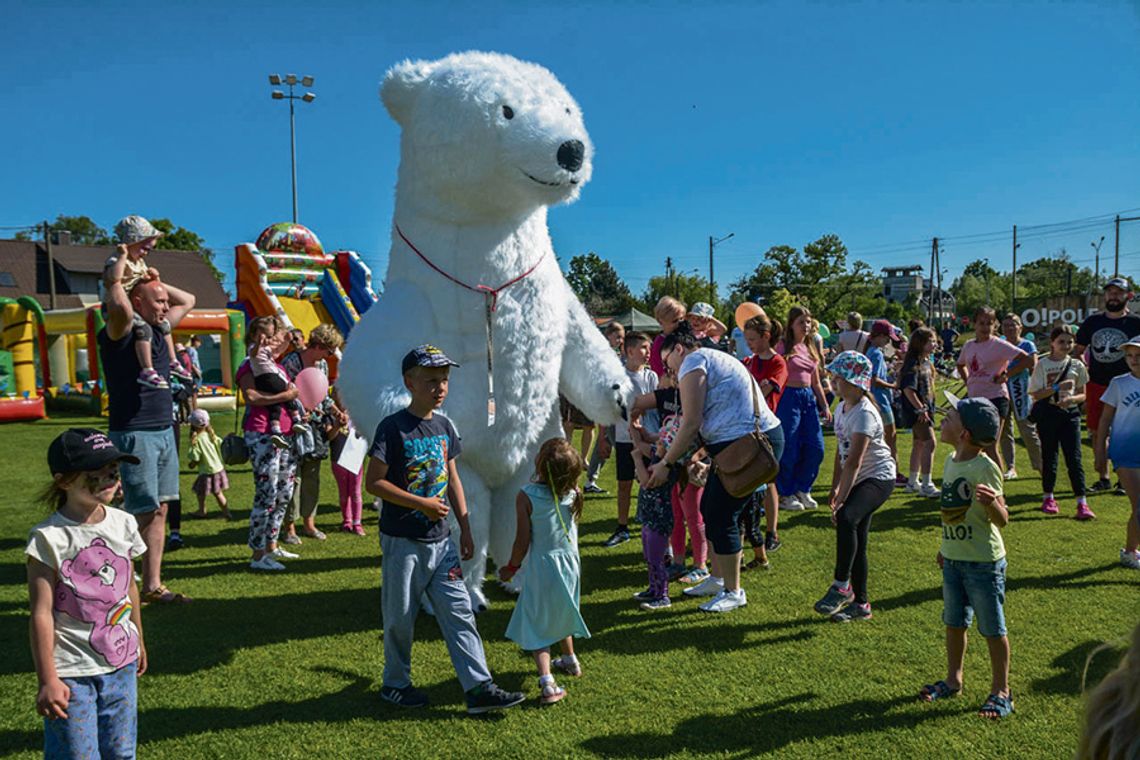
(967, 533)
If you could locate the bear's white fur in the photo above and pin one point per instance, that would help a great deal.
(471, 196)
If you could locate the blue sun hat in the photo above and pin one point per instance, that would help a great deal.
(853, 367)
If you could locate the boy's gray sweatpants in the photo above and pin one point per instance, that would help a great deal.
(409, 570)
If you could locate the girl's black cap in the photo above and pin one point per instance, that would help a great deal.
(82, 450)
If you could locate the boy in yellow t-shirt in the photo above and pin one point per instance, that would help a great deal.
(972, 556)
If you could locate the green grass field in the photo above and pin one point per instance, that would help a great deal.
(288, 665)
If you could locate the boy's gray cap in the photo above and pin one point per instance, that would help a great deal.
(979, 416)
(426, 355)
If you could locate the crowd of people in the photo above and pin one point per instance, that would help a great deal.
(694, 403)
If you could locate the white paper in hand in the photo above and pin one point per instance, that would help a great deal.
(355, 449)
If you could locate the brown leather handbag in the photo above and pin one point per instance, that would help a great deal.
(748, 462)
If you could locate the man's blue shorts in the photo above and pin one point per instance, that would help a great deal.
(154, 480)
(970, 588)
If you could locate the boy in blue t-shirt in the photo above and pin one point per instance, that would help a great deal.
(413, 470)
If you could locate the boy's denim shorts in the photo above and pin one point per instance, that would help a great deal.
(970, 588)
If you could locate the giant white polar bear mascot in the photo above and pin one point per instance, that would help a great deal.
(488, 142)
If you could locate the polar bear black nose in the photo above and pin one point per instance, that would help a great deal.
(570, 155)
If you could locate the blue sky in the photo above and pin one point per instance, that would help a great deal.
(883, 122)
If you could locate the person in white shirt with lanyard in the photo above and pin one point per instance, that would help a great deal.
(720, 401)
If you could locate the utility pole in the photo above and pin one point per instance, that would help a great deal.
(1096, 266)
(930, 283)
(1116, 261)
(51, 265)
(712, 282)
(670, 276)
(1013, 296)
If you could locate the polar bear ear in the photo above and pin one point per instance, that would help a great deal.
(400, 87)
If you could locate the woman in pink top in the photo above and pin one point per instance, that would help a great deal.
(985, 364)
(801, 405)
(274, 469)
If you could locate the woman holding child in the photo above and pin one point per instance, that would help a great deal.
(274, 468)
(719, 397)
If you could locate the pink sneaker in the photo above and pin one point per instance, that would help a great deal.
(358, 529)
(1084, 513)
(1049, 506)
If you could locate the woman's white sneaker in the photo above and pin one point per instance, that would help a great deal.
(708, 587)
(791, 504)
(726, 601)
(266, 563)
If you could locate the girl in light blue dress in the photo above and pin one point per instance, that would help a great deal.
(547, 608)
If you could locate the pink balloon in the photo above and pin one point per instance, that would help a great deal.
(312, 387)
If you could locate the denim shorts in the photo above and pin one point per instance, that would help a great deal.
(970, 588)
(887, 412)
(154, 480)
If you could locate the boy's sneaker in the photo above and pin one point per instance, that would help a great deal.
(1084, 513)
(266, 563)
(592, 487)
(489, 697)
(803, 497)
(930, 490)
(852, 613)
(280, 553)
(409, 696)
(791, 504)
(152, 379)
(660, 603)
(1104, 485)
(726, 601)
(1049, 506)
(1119, 490)
(644, 596)
(1131, 560)
(619, 536)
(834, 600)
(174, 543)
(279, 441)
(708, 587)
(696, 575)
(771, 542)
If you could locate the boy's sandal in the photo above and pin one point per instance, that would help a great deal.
(571, 669)
(934, 691)
(996, 707)
(163, 595)
(762, 564)
(551, 693)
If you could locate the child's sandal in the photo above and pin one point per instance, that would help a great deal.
(932, 692)
(551, 693)
(570, 668)
(996, 707)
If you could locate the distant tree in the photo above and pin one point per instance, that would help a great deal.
(1053, 275)
(598, 286)
(83, 229)
(181, 239)
(688, 288)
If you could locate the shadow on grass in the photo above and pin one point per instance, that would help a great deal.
(767, 727)
(1071, 664)
(358, 697)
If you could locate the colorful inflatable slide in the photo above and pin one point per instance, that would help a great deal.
(288, 273)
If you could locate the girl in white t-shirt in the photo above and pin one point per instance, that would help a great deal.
(862, 480)
(1118, 439)
(86, 633)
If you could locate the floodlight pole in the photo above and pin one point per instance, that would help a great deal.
(290, 81)
(712, 282)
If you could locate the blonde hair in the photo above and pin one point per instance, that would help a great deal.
(54, 495)
(854, 320)
(1112, 716)
(327, 337)
(669, 305)
(559, 465)
(259, 325)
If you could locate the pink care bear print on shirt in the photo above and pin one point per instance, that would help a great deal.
(96, 592)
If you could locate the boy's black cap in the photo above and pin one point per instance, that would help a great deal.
(426, 355)
(83, 449)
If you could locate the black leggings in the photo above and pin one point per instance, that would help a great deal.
(1061, 427)
(852, 526)
(721, 511)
